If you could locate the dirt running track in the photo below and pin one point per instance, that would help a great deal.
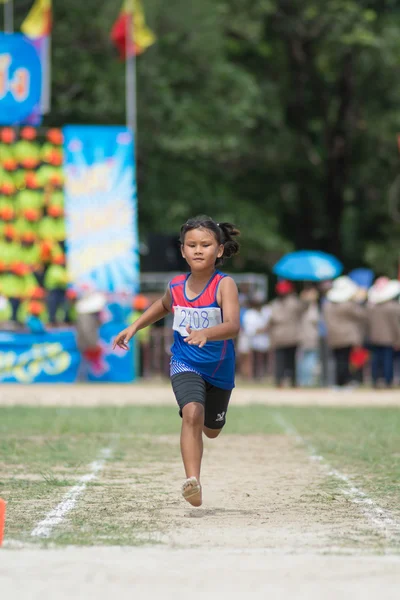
(264, 529)
(152, 573)
(160, 393)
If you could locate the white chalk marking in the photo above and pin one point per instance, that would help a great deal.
(381, 518)
(56, 516)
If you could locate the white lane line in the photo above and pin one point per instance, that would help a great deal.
(56, 516)
(379, 517)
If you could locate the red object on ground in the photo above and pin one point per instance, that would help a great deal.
(358, 357)
(2, 519)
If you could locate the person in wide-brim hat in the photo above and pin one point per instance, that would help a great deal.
(345, 320)
(343, 290)
(383, 319)
(91, 303)
(384, 290)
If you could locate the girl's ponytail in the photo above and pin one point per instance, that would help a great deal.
(231, 246)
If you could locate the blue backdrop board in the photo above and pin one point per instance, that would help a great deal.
(20, 78)
(54, 358)
(48, 357)
(101, 211)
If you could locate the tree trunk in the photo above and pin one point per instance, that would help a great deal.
(338, 139)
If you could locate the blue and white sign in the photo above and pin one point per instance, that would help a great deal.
(48, 357)
(53, 357)
(20, 78)
(101, 210)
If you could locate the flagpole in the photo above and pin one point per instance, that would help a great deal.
(130, 73)
(46, 85)
(9, 16)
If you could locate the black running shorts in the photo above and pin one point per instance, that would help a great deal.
(191, 387)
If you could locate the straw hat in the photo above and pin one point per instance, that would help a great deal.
(342, 290)
(91, 303)
(383, 290)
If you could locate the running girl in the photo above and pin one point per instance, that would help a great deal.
(206, 319)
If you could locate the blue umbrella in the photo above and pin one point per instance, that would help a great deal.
(308, 265)
(362, 277)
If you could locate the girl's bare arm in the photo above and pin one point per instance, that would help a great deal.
(154, 313)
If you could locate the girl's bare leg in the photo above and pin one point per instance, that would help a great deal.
(192, 444)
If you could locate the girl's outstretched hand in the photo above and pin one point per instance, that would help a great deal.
(196, 338)
(123, 338)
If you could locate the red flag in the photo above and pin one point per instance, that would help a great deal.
(131, 21)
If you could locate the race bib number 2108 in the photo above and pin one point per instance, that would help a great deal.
(196, 318)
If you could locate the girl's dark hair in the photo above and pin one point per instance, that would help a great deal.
(224, 234)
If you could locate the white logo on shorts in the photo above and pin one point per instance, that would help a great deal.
(220, 417)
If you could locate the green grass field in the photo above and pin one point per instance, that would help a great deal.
(44, 452)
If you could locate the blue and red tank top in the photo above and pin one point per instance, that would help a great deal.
(215, 362)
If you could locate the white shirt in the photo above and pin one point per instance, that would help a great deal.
(253, 320)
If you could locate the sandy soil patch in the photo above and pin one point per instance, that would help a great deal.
(159, 393)
(125, 573)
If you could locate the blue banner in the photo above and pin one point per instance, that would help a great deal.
(54, 358)
(49, 357)
(101, 211)
(20, 78)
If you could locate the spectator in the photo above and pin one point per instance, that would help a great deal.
(308, 369)
(242, 344)
(383, 319)
(284, 330)
(253, 341)
(88, 321)
(325, 352)
(344, 318)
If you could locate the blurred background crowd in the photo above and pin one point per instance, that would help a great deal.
(334, 333)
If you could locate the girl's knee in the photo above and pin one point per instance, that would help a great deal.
(211, 433)
(193, 414)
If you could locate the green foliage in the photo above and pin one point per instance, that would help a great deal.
(279, 115)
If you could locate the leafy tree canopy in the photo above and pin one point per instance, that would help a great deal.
(281, 116)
